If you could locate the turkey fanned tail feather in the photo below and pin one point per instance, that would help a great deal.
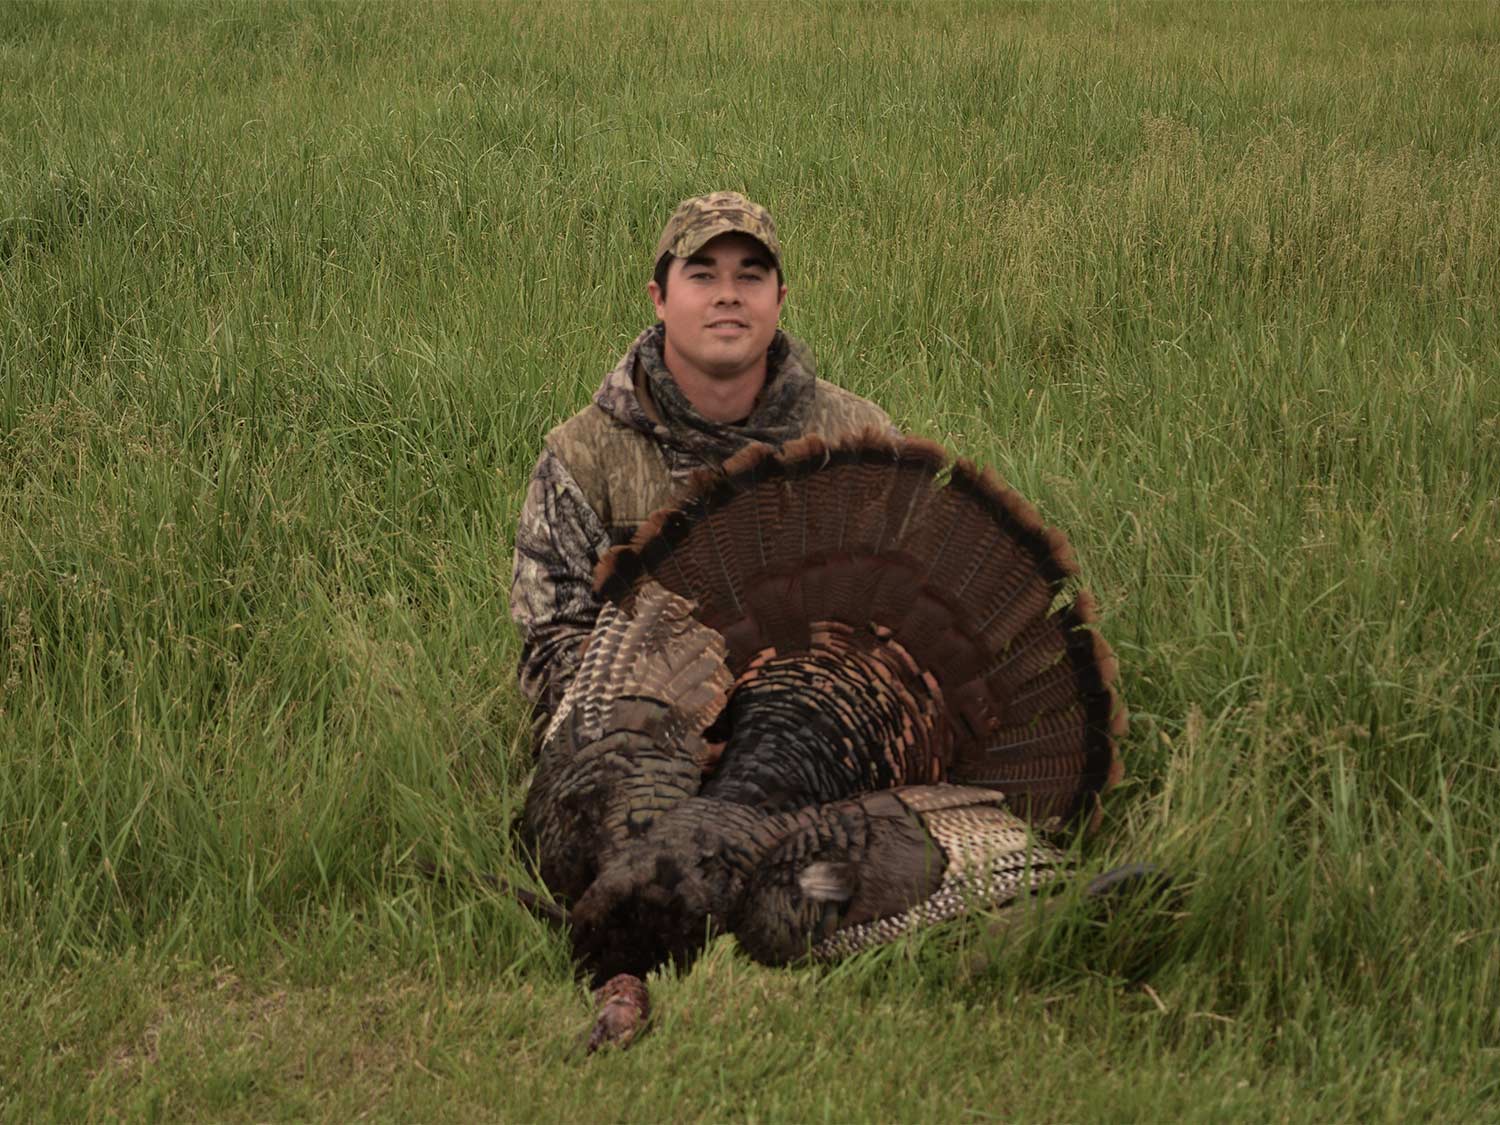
(817, 551)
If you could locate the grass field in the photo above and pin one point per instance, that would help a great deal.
(288, 297)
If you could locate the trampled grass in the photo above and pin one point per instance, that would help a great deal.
(288, 298)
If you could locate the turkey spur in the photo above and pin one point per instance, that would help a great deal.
(838, 692)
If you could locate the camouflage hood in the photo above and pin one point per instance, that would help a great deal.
(779, 415)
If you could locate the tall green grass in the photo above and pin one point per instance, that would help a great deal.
(289, 296)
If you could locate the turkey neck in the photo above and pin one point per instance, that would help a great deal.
(852, 714)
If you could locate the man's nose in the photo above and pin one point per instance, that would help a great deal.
(729, 293)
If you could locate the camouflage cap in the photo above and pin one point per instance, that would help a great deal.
(704, 217)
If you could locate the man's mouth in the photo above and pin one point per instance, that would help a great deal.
(727, 324)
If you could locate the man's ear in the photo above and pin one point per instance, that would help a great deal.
(661, 302)
(780, 296)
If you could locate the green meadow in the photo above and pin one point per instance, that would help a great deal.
(290, 294)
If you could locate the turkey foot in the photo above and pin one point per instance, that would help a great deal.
(624, 1012)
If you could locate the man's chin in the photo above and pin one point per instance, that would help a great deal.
(721, 360)
(726, 363)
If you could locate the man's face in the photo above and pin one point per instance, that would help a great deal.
(721, 307)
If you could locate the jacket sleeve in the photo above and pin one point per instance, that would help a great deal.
(559, 538)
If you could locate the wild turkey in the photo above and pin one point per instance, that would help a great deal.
(833, 694)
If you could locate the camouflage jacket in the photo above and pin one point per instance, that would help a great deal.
(604, 471)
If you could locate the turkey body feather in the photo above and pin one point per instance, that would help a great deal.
(625, 744)
(834, 694)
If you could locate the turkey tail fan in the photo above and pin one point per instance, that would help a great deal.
(939, 560)
(626, 742)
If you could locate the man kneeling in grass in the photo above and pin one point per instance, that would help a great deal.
(623, 832)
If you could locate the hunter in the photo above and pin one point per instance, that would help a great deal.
(713, 374)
